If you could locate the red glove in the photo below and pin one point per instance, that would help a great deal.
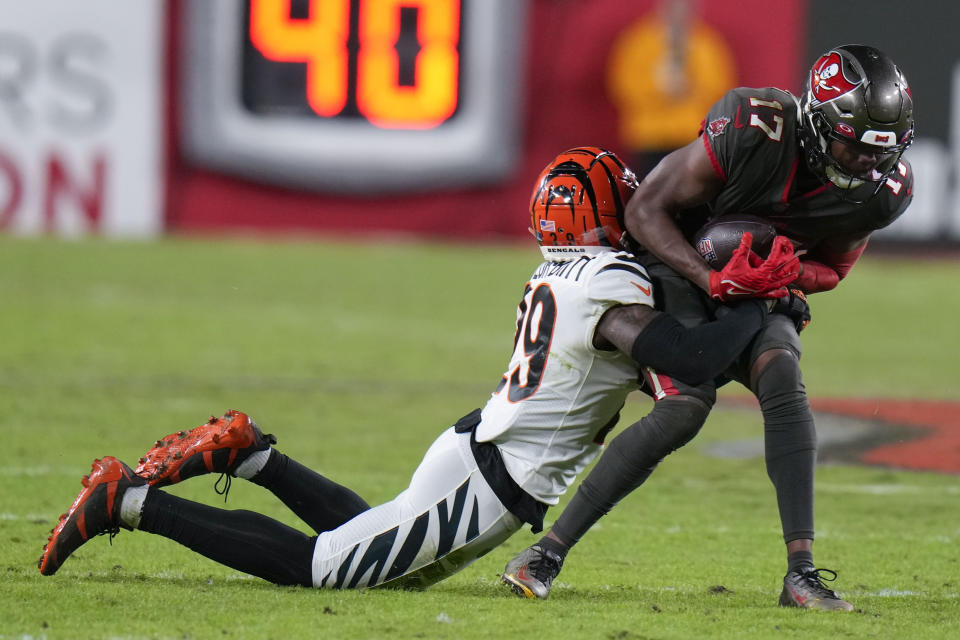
(740, 279)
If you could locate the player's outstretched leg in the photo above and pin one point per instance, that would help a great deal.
(531, 572)
(95, 511)
(220, 445)
(805, 589)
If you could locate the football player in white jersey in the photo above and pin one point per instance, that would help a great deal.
(585, 328)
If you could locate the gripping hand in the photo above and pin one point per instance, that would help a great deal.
(740, 279)
(794, 306)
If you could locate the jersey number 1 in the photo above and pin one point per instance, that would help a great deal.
(538, 315)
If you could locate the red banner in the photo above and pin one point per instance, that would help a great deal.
(566, 101)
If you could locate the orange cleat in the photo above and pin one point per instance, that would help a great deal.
(220, 445)
(96, 511)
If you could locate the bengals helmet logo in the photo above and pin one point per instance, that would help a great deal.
(827, 81)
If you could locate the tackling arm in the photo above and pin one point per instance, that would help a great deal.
(694, 355)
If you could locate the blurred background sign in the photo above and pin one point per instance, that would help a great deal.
(80, 117)
(423, 117)
(354, 95)
(276, 145)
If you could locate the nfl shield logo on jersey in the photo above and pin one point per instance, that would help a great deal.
(717, 126)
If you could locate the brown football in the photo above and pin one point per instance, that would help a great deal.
(720, 236)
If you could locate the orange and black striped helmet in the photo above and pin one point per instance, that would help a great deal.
(578, 201)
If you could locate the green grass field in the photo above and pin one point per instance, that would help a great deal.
(357, 356)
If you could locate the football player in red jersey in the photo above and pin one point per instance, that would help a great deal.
(826, 170)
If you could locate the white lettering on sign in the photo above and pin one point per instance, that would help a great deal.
(80, 121)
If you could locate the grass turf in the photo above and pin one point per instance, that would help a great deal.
(357, 356)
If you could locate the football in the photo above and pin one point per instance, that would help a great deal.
(720, 236)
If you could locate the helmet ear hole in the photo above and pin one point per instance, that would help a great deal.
(578, 203)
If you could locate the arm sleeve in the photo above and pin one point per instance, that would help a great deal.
(698, 354)
(827, 270)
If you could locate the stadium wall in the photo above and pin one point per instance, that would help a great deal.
(81, 127)
(563, 103)
(98, 110)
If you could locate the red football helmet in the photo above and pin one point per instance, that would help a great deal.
(578, 201)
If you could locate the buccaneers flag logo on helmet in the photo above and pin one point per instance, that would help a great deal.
(827, 80)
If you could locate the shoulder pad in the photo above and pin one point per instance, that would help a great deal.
(619, 279)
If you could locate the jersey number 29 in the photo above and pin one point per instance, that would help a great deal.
(537, 316)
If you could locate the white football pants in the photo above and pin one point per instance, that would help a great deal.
(447, 518)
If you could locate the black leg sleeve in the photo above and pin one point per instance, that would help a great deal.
(243, 540)
(629, 460)
(321, 503)
(790, 443)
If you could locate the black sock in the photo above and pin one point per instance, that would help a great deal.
(549, 544)
(243, 540)
(321, 503)
(799, 560)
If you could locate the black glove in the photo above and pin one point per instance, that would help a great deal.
(794, 306)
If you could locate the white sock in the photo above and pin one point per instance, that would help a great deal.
(252, 465)
(132, 504)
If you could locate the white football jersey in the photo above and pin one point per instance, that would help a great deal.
(560, 395)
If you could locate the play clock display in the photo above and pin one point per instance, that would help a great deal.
(354, 95)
